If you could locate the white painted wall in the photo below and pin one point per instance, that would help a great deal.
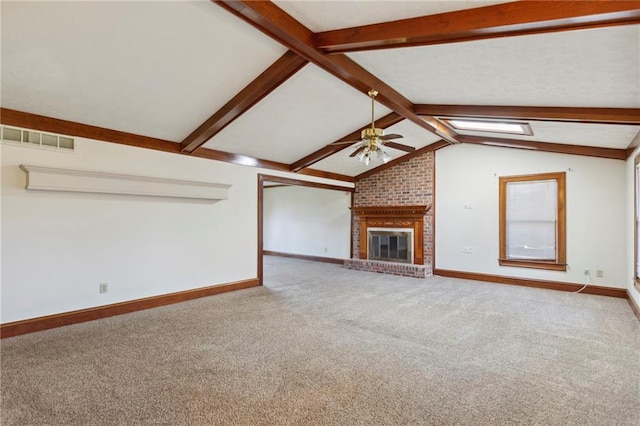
(596, 217)
(630, 189)
(307, 221)
(57, 247)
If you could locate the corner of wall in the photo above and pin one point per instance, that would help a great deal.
(630, 195)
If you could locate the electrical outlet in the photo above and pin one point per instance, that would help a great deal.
(599, 273)
(325, 249)
(467, 249)
(104, 287)
(586, 272)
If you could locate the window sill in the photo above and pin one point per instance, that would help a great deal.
(540, 264)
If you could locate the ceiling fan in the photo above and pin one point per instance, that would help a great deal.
(372, 140)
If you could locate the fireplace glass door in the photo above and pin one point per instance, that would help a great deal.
(391, 246)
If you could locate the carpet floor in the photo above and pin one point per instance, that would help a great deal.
(322, 345)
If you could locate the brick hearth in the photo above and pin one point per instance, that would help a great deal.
(393, 268)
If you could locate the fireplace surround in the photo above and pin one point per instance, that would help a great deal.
(394, 220)
(408, 217)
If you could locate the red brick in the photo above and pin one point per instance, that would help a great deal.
(408, 183)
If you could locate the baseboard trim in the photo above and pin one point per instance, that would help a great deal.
(634, 307)
(31, 325)
(528, 282)
(305, 257)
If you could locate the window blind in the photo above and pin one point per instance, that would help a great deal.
(531, 220)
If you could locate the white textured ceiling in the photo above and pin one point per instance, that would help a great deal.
(156, 69)
(161, 68)
(588, 68)
(307, 112)
(320, 15)
(587, 134)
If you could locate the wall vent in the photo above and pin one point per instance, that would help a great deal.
(31, 138)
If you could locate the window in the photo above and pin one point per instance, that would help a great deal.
(637, 221)
(515, 127)
(532, 221)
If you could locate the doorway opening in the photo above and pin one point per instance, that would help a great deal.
(301, 219)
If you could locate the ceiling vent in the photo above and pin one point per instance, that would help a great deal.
(30, 138)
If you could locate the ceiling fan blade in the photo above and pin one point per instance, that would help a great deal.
(356, 152)
(391, 136)
(400, 146)
(345, 142)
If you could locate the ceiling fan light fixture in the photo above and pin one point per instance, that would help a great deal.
(371, 133)
(373, 139)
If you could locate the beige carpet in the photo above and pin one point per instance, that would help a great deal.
(323, 345)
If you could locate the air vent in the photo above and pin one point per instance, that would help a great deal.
(30, 138)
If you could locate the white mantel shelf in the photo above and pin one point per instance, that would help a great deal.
(52, 179)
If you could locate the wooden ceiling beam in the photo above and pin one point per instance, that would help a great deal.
(501, 20)
(279, 72)
(326, 175)
(590, 151)
(566, 114)
(246, 160)
(328, 150)
(43, 123)
(282, 27)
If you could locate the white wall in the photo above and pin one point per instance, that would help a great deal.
(596, 215)
(630, 189)
(57, 247)
(307, 221)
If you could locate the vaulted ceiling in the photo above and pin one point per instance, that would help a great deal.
(274, 84)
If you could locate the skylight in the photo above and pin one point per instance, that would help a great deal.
(490, 126)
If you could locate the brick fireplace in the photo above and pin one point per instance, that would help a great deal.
(396, 198)
(409, 218)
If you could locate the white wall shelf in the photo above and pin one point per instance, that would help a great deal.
(53, 179)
